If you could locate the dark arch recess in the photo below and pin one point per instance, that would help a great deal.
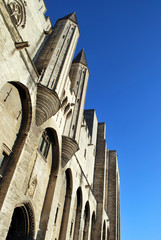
(51, 183)
(20, 139)
(22, 224)
(55, 148)
(86, 221)
(79, 199)
(93, 226)
(67, 203)
(104, 231)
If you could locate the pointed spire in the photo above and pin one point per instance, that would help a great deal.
(72, 17)
(81, 58)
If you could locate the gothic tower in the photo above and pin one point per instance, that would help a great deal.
(79, 78)
(55, 58)
(58, 180)
(53, 64)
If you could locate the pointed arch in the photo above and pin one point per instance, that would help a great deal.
(93, 226)
(79, 199)
(86, 221)
(22, 223)
(51, 183)
(104, 230)
(108, 233)
(66, 210)
(20, 137)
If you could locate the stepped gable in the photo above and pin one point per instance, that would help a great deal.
(81, 58)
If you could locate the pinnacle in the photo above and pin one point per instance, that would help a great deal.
(81, 58)
(72, 17)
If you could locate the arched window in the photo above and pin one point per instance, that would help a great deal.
(86, 221)
(67, 203)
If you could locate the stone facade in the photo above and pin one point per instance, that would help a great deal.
(58, 180)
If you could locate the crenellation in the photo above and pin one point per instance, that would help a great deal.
(58, 180)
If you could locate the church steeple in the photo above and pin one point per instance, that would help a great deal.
(71, 16)
(81, 58)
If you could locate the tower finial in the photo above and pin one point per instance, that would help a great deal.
(71, 16)
(81, 58)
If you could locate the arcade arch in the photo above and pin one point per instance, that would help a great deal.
(86, 221)
(66, 210)
(49, 141)
(93, 226)
(16, 114)
(78, 213)
(22, 224)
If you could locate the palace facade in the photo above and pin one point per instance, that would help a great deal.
(58, 180)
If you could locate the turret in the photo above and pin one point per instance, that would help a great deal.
(79, 78)
(54, 61)
(56, 56)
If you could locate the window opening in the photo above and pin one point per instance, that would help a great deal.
(71, 229)
(3, 163)
(52, 83)
(85, 152)
(56, 215)
(4, 160)
(44, 145)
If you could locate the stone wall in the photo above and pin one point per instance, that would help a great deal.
(57, 179)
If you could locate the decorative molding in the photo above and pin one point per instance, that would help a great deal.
(29, 211)
(31, 216)
(32, 187)
(18, 12)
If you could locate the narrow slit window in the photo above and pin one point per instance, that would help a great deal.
(56, 215)
(71, 229)
(85, 153)
(3, 163)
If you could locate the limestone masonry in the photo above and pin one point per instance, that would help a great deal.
(58, 180)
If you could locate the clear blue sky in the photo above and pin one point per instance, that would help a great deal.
(122, 42)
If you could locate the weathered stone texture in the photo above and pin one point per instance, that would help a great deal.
(57, 178)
